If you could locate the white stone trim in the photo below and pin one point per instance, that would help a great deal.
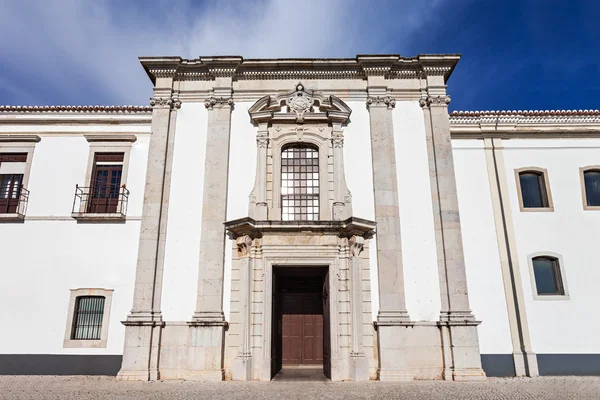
(582, 171)
(563, 276)
(90, 344)
(548, 191)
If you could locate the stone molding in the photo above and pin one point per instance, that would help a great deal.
(532, 123)
(11, 138)
(102, 137)
(388, 66)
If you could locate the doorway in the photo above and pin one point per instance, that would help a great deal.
(300, 321)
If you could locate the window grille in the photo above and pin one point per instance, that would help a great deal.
(87, 322)
(300, 183)
(533, 190)
(548, 280)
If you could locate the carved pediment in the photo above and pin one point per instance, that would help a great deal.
(301, 105)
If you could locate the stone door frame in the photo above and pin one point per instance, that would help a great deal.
(331, 263)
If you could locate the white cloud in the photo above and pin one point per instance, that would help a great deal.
(86, 52)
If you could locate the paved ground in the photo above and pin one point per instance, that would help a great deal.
(85, 387)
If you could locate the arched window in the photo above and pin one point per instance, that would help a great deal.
(533, 189)
(300, 182)
(591, 183)
(548, 277)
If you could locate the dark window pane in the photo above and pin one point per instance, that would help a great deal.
(87, 321)
(547, 276)
(533, 190)
(592, 187)
(303, 182)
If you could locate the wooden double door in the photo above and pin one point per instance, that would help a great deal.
(302, 329)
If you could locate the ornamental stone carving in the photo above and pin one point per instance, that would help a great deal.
(243, 244)
(262, 140)
(434, 101)
(386, 101)
(217, 101)
(356, 244)
(337, 141)
(300, 102)
(171, 102)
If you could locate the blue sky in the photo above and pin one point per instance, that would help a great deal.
(529, 54)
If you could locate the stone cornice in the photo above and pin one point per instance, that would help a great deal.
(15, 138)
(531, 123)
(102, 137)
(390, 66)
(347, 228)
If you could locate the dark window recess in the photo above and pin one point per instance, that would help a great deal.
(533, 190)
(105, 187)
(592, 187)
(547, 276)
(87, 321)
(300, 183)
(11, 185)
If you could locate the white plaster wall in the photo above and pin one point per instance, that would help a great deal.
(419, 257)
(50, 253)
(482, 258)
(242, 173)
(358, 165)
(184, 223)
(559, 326)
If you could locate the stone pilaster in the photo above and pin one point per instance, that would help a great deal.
(392, 318)
(242, 367)
(359, 365)
(258, 197)
(460, 343)
(342, 206)
(144, 323)
(205, 357)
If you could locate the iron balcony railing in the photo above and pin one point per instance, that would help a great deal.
(13, 199)
(101, 198)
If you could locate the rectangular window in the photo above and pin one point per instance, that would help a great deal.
(105, 186)
(592, 187)
(300, 183)
(87, 321)
(547, 276)
(12, 170)
(533, 190)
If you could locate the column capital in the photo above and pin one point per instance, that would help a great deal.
(165, 102)
(219, 102)
(337, 140)
(381, 101)
(434, 101)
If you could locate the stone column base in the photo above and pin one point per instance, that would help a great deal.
(242, 368)
(140, 353)
(392, 344)
(464, 349)
(205, 351)
(359, 367)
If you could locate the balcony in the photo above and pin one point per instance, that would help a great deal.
(100, 202)
(13, 202)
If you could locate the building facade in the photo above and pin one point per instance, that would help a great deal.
(264, 214)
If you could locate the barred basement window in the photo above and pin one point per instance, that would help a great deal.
(87, 322)
(300, 182)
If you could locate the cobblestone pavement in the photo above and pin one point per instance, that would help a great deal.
(87, 387)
